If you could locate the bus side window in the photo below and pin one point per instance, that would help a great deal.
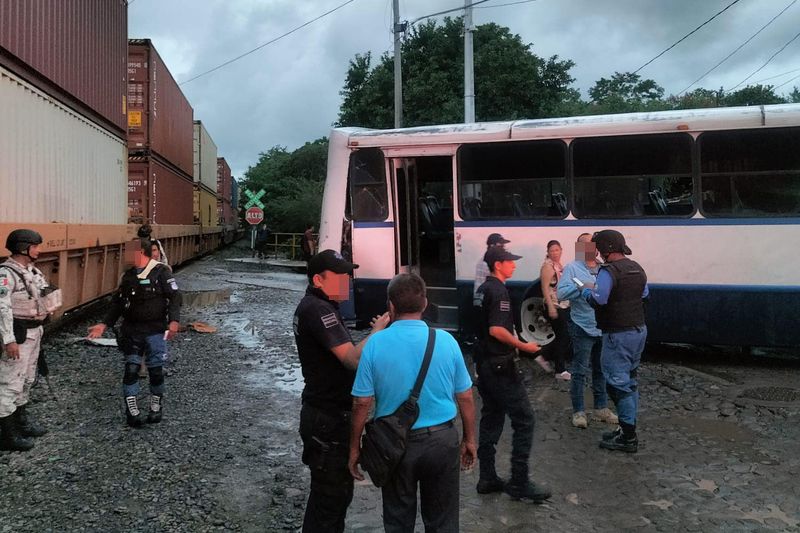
(513, 180)
(633, 176)
(750, 173)
(367, 181)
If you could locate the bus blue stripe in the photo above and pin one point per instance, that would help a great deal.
(788, 221)
(360, 225)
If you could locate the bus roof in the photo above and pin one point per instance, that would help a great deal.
(693, 120)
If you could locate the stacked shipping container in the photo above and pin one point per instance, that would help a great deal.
(62, 106)
(159, 141)
(205, 177)
(224, 192)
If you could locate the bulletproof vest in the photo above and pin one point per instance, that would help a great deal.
(29, 301)
(625, 308)
(144, 299)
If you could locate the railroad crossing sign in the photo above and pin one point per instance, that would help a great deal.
(255, 199)
(254, 215)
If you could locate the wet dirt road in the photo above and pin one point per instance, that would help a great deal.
(718, 442)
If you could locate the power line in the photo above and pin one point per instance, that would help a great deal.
(460, 8)
(226, 63)
(510, 4)
(776, 76)
(790, 41)
(706, 73)
(676, 43)
(789, 81)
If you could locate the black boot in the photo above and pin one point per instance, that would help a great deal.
(488, 485)
(132, 413)
(27, 427)
(608, 435)
(156, 409)
(527, 490)
(624, 441)
(10, 438)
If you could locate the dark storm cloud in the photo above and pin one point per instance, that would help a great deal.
(288, 93)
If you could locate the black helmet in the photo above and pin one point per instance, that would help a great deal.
(20, 240)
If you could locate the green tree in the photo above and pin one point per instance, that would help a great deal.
(699, 98)
(511, 81)
(753, 95)
(293, 182)
(794, 96)
(626, 92)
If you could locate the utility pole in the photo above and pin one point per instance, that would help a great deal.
(398, 73)
(469, 77)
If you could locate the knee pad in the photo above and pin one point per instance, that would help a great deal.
(156, 375)
(131, 375)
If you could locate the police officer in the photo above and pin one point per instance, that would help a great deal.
(618, 299)
(328, 359)
(149, 303)
(500, 384)
(25, 304)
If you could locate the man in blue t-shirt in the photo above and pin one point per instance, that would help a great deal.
(389, 365)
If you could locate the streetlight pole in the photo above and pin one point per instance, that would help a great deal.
(469, 76)
(398, 73)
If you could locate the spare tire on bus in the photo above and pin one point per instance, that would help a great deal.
(534, 324)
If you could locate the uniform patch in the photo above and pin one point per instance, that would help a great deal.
(144, 281)
(3, 292)
(172, 284)
(505, 305)
(329, 320)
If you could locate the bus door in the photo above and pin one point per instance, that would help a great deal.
(423, 194)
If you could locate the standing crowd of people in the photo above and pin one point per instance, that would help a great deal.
(597, 313)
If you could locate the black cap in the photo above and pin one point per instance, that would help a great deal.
(496, 238)
(329, 260)
(609, 241)
(495, 254)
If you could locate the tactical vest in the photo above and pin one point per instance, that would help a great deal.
(625, 309)
(143, 298)
(35, 300)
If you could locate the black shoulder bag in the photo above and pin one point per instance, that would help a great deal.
(385, 439)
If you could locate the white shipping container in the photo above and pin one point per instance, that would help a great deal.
(205, 157)
(56, 165)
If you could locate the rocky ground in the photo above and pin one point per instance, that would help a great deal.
(718, 446)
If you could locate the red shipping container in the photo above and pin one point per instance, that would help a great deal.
(224, 212)
(224, 179)
(74, 50)
(160, 119)
(158, 194)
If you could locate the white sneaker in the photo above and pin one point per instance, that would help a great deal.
(564, 376)
(605, 415)
(579, 420)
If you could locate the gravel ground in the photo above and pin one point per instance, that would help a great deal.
(718, 446)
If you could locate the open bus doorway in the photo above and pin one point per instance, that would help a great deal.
(424, 230)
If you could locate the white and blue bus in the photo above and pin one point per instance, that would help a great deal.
(708, 199)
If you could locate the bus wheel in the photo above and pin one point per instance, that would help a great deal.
(535, 326)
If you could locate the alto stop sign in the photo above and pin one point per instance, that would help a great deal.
(254, 215)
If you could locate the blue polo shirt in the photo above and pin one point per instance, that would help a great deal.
(390, 362)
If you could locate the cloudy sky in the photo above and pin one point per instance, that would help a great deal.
(288, 92)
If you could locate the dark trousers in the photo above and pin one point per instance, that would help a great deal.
(432, 463)
(325, 450)
(559, 350)
(504, 394)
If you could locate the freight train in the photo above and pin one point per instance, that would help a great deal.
(96, 139)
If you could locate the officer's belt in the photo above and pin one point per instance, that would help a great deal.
(28, 324)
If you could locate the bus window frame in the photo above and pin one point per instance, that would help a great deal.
(349, 204)
(755, 174)
(458, 200)
(692, 174)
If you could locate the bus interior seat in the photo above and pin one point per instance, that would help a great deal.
(426, 216)
(658, 202)
(558, 204)
(471, 207)
(520, 207)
